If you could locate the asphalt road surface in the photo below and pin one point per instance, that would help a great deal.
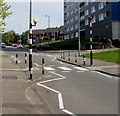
(77, 90)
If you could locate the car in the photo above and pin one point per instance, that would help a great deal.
(20, 46)
(15, 45)
(43, 47)
(3, 45)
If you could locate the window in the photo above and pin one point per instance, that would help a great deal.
(67, 14)
(71, 20)
(76, 10)
(93, 9)
(86, 3)
(67, 36)
(101, 16)
(93, 20)
(71, 28)
(86, 12)
(71, 12)
(76, 26)
(72, 35)
(67, 21)
(87, 22)
(101, 5)
(76, 34)
(76, 17)
(67, 29)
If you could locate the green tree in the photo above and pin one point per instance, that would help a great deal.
(3, 14)
(8, 37)
(24, 37)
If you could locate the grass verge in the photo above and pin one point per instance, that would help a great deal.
(109, 56)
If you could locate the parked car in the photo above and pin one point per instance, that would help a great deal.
(43, 47)
(20, 46)
(15, 45)
(3, 45)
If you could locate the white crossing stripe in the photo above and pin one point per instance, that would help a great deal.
(80, 68)
(48, 68)
(64, 68)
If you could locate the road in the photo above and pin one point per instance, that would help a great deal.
(77, 90)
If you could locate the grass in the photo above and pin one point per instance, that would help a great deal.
(109, 56)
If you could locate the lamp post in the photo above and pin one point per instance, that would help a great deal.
(91, 55)
(78, 31)
(30, 40)
(48, 20)
(20, 34)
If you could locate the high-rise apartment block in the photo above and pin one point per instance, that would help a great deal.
(105, 22)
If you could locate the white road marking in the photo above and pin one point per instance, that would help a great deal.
(68, 112)
(80, 71)
(19, 61)
(65, 71)
(48, 55)
(61, 62)
(64, 68)
(80, 68)
(48, 68)
(60, 99)
(48, 88)
(37, 64)
(104, 75)
(51, 65)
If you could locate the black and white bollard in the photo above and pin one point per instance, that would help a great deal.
(84, 59)
(68, 56)
(25, 58)
(75, 57)
(43, 64)
(16, 58)
(63, 55)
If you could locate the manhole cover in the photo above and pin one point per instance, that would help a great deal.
(9, 77)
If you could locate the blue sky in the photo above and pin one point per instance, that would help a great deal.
(19, 20)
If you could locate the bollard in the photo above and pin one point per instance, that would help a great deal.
(43, 63)
(75, 57)
(16, 58)
(63, 55)
(84, 59)
(25, 58)
(68, 56)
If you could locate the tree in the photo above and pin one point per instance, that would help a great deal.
(25, 37)
(3, 14)
(8, 37)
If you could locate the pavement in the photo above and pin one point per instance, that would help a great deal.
(18, 96)
(98, 65)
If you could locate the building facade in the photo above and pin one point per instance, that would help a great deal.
(105, 22)
(49, 34)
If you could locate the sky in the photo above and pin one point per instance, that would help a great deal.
(19, 20)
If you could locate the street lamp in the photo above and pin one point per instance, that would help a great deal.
(78, 31)
(30, 40)
(48, 20)
(91, 55)
(20, 34)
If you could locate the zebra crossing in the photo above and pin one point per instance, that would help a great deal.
(66, 69)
